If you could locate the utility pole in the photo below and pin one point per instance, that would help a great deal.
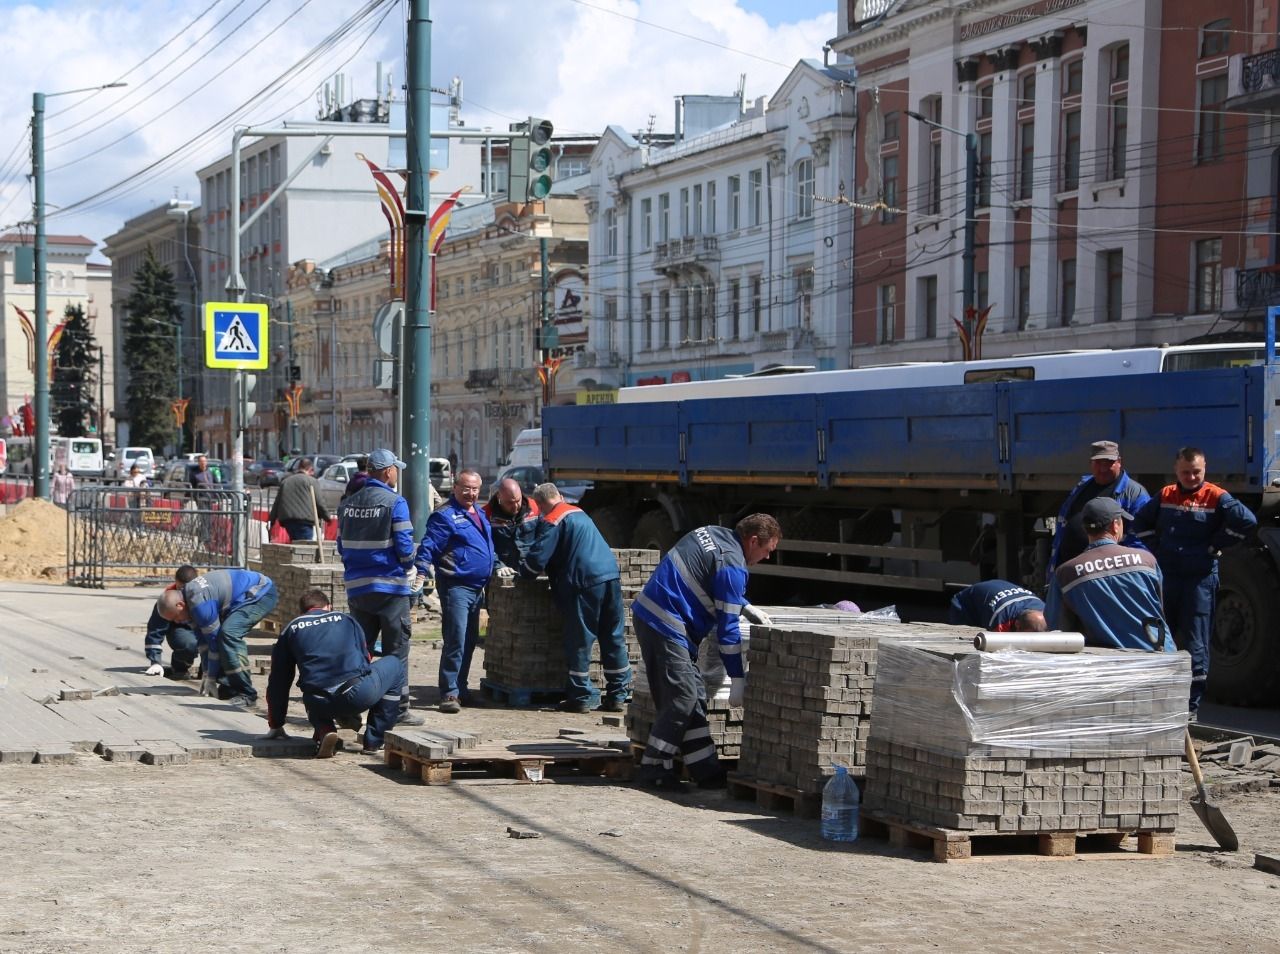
(333, 379)
(544, 315)
(293, 418)
(415, 423)
(40, 465)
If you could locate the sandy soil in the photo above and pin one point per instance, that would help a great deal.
(33, 541)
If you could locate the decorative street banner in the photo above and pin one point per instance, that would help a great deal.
(235, 336)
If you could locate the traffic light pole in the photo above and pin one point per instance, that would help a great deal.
(40, 464)
(293, 418)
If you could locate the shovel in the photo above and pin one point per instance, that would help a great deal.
(1209, 813)
(319, 527)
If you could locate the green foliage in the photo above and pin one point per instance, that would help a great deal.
(73, 396)
(150, 344)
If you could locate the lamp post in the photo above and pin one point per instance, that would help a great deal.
(40, 466)
(970, 310)
(182, 207)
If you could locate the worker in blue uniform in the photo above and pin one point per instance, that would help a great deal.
(1111, 593)
(1107, 478)
(1188, 525)
(224, 606)
(700, 586)
(375, 540)
(513, 519)
(183, 644)
(339, 679)
(457, 551)
(586, 587)
(998, 606)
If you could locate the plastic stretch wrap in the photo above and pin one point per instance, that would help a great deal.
(1095, 703)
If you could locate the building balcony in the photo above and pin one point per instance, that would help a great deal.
(693, 253)
(1258, 287)
(483, 379)
(1254, 81)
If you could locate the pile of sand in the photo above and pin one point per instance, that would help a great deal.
(33, 542)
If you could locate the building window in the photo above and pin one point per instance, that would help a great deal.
(646, 224)
(735, 199)
(735, 308)
(611, 231)
(1027, 91)
(887, 313)
(1026, 159)
(646, 319)
(984, 169)
(755, 196)
(1071, 151)
(1067, 307)
(757, 304)
(695, 322)
(697, 209)
(1209, 119)
(1209, 275)
(927, 296)
(804, 189)
(664, 217)
(985, 100)
(1119, 135)
(890, 127)
(804, 296)
(683, 335)
(662, 332)
(684, 213)
(1120, 63)
(1024, 297)
(1215, 38)
(1113, 266)
(711, 208)
(931, 107)
(982, 289)
(1073, 77)
(889, 180)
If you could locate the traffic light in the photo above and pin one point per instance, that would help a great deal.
(248, 407)
(529, 161)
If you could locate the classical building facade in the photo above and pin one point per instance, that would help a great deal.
(1119, 201)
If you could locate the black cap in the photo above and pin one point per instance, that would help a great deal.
(1098, 513)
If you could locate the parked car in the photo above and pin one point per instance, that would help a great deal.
(529, 477)
(176, 479)
(126, 457)
(322, 461)
(333, 484)
(264, 473)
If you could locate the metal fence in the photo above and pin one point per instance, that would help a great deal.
(141, 535)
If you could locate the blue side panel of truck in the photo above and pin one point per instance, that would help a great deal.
(751, 437)
(636, 438)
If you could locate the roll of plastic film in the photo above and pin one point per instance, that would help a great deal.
(1029, 642)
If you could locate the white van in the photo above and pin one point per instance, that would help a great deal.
(126, 457)
(527, 450)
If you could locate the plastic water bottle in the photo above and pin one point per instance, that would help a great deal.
(840, 803)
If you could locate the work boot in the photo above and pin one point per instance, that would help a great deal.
(328, 745)
(352, 722)
(450, 705)
(613, 704)
(409, 717)
(575, 706)
(243, 702)
(171, 672)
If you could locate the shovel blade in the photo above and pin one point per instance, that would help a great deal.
(1217, 824)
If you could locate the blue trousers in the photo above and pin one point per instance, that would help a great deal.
(233, 651)
(590, 614)
(299, 529)
(1188, 606)
(680, 695)
(182, 641)
(385, 616)
(460, 623)
(376, 692)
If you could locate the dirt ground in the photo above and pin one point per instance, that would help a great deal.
(307, 856)
(33, 541)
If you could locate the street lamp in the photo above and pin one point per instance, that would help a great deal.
(970, 310)
(40, 466)
(182, 208)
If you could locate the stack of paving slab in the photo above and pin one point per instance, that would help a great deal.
(1028, 742)
(524, 645)
(808, 703)
(294, 568)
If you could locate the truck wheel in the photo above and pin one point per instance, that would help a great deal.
(654, 532)
(1244, 665)
(614, 524)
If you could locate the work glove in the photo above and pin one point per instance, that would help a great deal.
(737, 690)
(155, 669)
(411, 577)
(505, 573)
(757, 616)
(209, 687)
(277, 732)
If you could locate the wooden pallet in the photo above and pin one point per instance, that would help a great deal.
(773, 797)
(520, 698)
(950, 844)
(267, 627)
(524, 761)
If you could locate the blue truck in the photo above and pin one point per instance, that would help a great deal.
(930, 477)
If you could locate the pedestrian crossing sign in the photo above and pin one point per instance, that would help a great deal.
(235, 335)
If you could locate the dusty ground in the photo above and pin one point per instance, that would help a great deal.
(303, 855)
(33, 541)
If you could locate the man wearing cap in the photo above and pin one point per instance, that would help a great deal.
(1111, 593)
(1188, 526)
(1106, 479)
(998, 606)
(375, 540)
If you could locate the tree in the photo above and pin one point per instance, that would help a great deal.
(74, 363)
(150, 345)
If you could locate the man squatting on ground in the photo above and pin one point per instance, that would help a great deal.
(224, 605)
(181, 638)
(338, 678)
(998, 606)
(700, 584)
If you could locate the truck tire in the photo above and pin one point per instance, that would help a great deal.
(654, 532)
(1244, 661)
(614, 523)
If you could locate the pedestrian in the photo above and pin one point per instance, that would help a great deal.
(513, 518)
(457, 551)
(358, 478)
(1107, 478)
(63, 486)
(202, 476)
(700, 585)
(1110, 592)
(297, 505)
(1188, 526)
(136, 478)
(586, 587)
(375, 540)
(998, 606)
(224, 605)
(339, 679)
(181, 638)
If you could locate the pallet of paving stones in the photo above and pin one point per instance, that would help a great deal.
(524, 761)
(774, 797)
(949, 844)
(520, 697)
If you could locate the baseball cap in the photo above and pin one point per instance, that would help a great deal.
(1098, 513)
(383, 458)
(1104, 450)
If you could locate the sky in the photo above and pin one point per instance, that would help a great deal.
(196, 69)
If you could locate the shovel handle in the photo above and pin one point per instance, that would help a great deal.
(1195, 763)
